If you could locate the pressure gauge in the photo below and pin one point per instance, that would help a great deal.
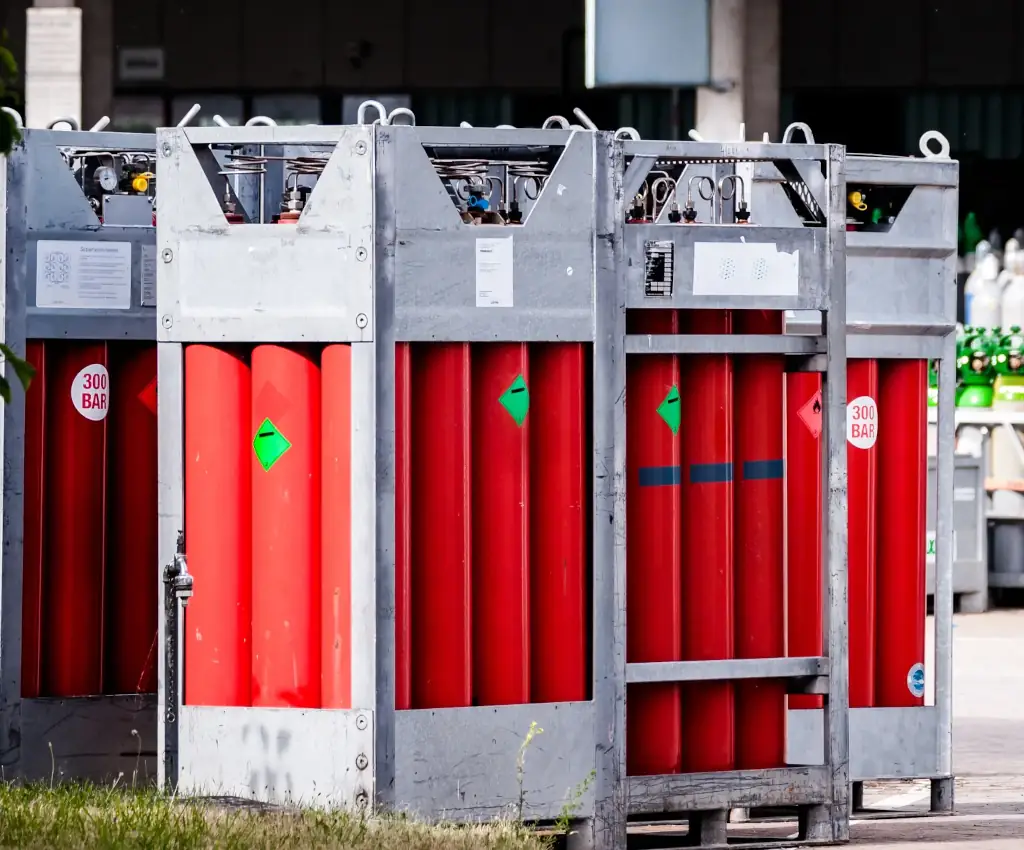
(107, 178)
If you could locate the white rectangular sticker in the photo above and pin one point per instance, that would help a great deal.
(929, 547)
(84, 275)
(745, 268)
(148, 275)
(963, 494)
(494, 272)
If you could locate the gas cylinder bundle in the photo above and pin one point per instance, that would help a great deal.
(89, 603)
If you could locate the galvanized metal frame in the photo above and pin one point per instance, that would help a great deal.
(460, 762)
(901, 304)
(95, 737)
(821, 785)
(270, 754)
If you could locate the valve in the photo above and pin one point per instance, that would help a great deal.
(177, 578)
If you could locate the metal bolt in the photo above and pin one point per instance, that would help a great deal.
(361, 254)
(167, 255)
(360, 148)
(362, 321)
(166, 321)
(361, 721)
(166, 149)
(362, 761)
(362, 799)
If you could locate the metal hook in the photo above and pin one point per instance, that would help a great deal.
(584, 119)
(627, 133)
(18, 122)
(100, 125)
(400, 110)
(787, 136)
(220, 122)
(260, 121)
(934, 136)
(555, 122)
(71, 122)
(382, 111)
(192, 113)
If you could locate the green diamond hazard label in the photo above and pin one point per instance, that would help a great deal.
(669, 410)
(269, 444)
(516, 400)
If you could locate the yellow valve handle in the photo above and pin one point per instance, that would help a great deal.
(857, 201)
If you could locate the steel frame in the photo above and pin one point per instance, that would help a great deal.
(383, 202)
(819, 785)
(269, 754)
(901, 304)
(96, 737)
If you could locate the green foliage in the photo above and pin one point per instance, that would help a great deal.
(9, 135)
(82, 817)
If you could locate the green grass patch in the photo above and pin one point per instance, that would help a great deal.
(74, 817)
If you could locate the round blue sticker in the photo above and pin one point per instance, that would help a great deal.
(915, 680)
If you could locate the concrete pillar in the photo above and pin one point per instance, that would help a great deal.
(745, 55)
(53, 62)
(52, 86)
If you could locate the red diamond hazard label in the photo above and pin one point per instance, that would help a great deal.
(810, 414)
(148, 396)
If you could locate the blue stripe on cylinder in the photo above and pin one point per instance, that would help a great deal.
(660, 476)
(710, 473)
(762, 470)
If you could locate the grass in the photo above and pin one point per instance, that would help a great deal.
(75, 817)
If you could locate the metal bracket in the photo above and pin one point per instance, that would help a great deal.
(177, 588)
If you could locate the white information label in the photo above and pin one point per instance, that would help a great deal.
(148, 275)
(964, 494)
(84, 275)
(862, 422)
(494, 272)
(745, 268)
(90, 392)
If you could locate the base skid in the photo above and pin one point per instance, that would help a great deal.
(92, 739)
(703, 800)
(461, 763)
(885, 743)
(281, 756)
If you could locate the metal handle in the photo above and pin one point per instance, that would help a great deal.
(787, 136)
(555, 121)
(71, 122)
(400, 111)
(220, 122)
(382, 113)
(192, 113)
(260, 121)
(934, 136)
(102, 124)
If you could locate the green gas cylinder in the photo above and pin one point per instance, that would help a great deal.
(975, 366)
(1008, 363)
